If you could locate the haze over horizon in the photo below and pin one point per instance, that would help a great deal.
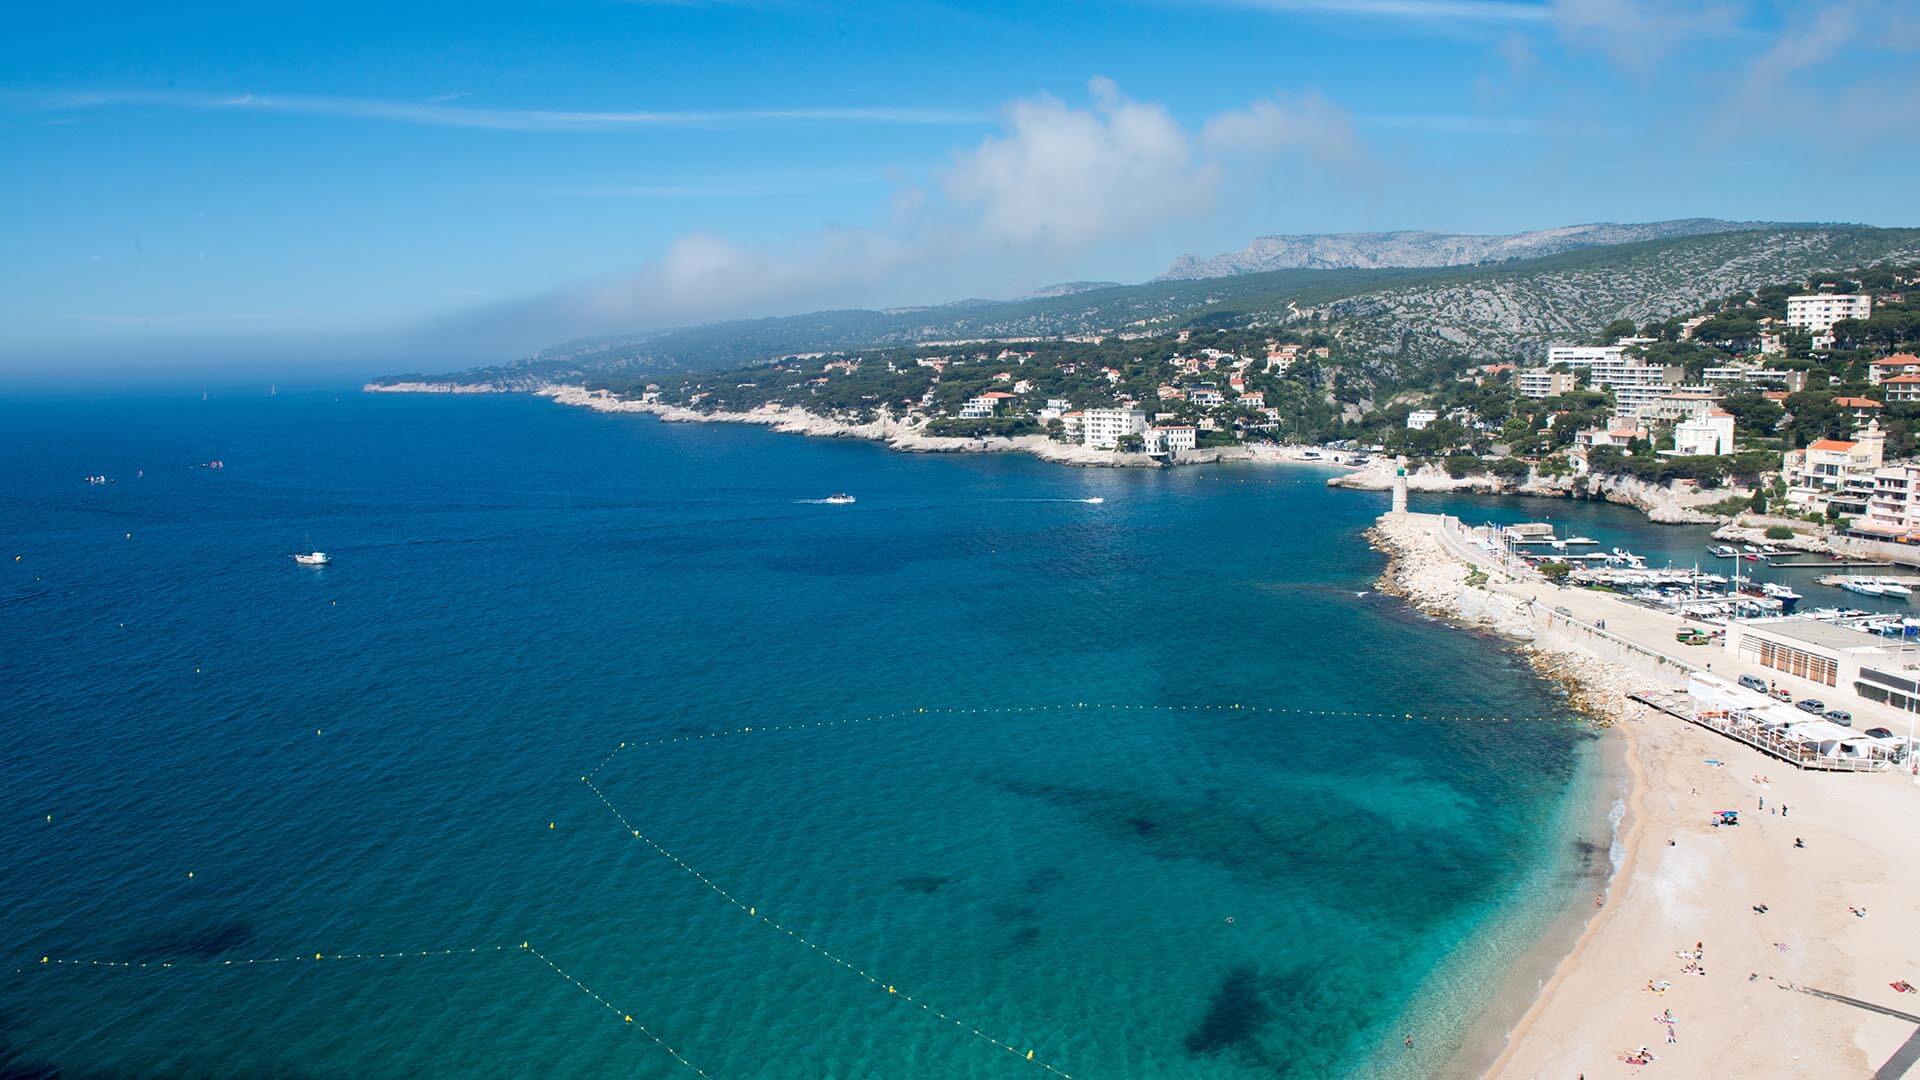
(216, 193)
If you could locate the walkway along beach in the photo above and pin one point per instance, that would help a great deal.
(1770, 920)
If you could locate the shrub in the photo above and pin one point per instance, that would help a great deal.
(1779, 532)
(1555, 571)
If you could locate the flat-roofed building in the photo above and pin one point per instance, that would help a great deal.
(1830, 655)
(1542, 383)
(1818, 312)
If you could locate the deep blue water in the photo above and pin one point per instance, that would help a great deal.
(213, 754)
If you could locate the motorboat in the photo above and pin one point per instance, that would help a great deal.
(311, 558)
(840, 498)
(1862, 586)
(1723, 551)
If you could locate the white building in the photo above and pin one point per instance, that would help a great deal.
(1710, 435)
(1634, 383)
(1104, 428)
(1170, 438)
(1541, 383)
(1055, 408)
(1835, 474)
(1893, 510)
(984, 406)
(1418, 419)
(1818, 312)
(1888, 367)
(1205, 396)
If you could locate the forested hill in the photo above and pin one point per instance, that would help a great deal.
(1400, 316)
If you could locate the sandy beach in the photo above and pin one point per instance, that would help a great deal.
(1743, 1009)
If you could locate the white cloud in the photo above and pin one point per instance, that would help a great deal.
(1637, 34)
(1062, 177)
(1058, 181)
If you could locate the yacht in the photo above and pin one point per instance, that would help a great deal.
(311, 558)
(838, 499)
(1894, 588)
(1862, 586)
(1723, 551)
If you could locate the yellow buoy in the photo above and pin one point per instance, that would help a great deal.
(189, 873)
(1029, 1055)
(629, 1019)
(43, 959)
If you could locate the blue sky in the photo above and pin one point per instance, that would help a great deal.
(346, 188)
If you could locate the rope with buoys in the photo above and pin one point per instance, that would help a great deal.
(321, 957)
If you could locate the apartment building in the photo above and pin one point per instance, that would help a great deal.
(1835, 475)
(1818, 312)
(1104, 428)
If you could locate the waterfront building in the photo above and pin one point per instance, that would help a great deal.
(1816, 313)
(1835, 475)
(1619, 433)
(1170, 438)
(1104, 428)
(1420, 419)
(1830, 655)
(1704, 436)
(984, 405)
(1893, 510)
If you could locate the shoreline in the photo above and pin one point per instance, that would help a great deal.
(1659, 504)
(1741, 1015)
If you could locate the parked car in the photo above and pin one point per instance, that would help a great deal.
(1780, 695)
(1812, 705)
(1841, 717)
(1879, 733)
(1754, 682)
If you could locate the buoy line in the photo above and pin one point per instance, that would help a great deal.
(752, 910)
(526, 947)
(815, 725)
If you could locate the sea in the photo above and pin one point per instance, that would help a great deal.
(605, 746)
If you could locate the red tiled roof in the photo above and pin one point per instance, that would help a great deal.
(1859, 402)
(1897, 359)
(1830, 444)
(1903, 379)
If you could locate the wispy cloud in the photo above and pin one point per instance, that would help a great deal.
(1482, 11)
(441, 113)
(1055, 182)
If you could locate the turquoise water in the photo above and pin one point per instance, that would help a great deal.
(243, 758)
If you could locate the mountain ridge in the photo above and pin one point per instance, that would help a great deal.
(1415, 248)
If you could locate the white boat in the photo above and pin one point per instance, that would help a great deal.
(1723, 551)
(1778, 591)
(1894, 588)
(1579, 540)
(1863, 587)
(838, 499)
(311, 558)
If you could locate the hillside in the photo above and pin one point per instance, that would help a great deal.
(1400, 316)
(1382, 250)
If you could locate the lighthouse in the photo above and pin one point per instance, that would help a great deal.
(1400, 486)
